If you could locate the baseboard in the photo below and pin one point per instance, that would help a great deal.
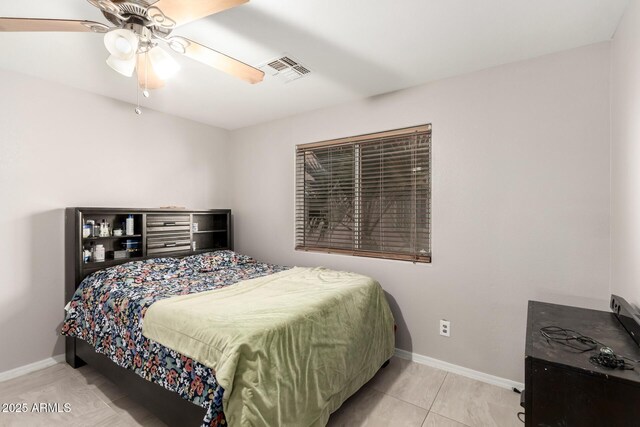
(36, 366)
(403, 354)
(460, 370)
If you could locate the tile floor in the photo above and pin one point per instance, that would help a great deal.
(403, 394)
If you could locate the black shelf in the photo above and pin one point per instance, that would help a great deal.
(108, 263)
(202, 251)
(92, 239)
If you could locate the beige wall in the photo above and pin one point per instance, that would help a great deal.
(520, 197)
(63, 147)
(625, 157)
(520, 201)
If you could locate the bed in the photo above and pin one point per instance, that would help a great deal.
(251, 343)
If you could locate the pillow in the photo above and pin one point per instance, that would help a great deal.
(212, 261)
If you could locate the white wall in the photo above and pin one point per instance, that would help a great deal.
(520, 201)
(625, 157)
(63, 147)
(520, 195)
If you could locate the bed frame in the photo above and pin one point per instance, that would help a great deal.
(166, 405)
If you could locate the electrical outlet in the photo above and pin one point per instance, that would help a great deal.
(445, 328)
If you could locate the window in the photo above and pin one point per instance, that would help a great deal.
(368, 195)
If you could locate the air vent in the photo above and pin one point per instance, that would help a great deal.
(301, 69)
(288, 61)
(285, 68)
(277, 65)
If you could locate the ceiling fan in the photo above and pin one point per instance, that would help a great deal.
(139, 26)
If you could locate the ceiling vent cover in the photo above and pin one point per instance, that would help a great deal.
(285, 67)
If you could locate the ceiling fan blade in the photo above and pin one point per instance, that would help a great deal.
(147, 78)
(215, 59)
(28, 24)
(185, 11)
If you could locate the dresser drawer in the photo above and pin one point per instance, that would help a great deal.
(168, 242)
(168, 232)
(167, 249)
(168, 223)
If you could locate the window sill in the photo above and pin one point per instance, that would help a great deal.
(422, 259)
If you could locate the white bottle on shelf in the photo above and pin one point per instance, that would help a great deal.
(129, 226)
(99, 253)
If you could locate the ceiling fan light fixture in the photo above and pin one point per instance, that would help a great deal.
(139, 26)
(121, 43)
(163, 64)
(122, 66)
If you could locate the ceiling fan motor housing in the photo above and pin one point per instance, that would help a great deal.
(122, 13)
(145, 35)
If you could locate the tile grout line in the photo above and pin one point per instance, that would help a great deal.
(451, 419)
(424, 419)
(411, 403)
(407, 402)
(434, 401)
(398, 398)
(107, 404)
(100, 399)
(80, 377)
(438, 392)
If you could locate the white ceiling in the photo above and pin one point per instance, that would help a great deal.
(355, 49)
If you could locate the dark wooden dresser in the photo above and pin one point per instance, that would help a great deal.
(563, 388)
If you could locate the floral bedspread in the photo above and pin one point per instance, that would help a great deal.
(108, 310)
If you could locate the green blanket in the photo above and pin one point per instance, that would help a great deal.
(288, 348)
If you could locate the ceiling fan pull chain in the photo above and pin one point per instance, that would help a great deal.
(145, 92)
(138, 110)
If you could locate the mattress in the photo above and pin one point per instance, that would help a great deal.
(108, 311)
(109, 307)
(288, 348)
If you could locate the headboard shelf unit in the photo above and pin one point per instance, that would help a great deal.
(157, 233)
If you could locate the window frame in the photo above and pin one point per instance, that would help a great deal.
(352, 140)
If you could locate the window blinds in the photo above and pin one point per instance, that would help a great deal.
(368, 195)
